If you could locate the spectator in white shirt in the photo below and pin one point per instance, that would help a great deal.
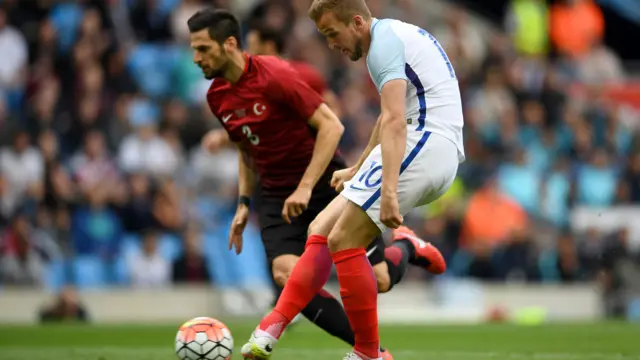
(22, 169)
(145, 151)
(13, 62)
(148, 268)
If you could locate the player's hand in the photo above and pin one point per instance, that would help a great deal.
(215, 140)
(341, 176)
(237, 228)
(390, 211)
(296, 204)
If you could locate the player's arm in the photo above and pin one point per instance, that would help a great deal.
(329, 130)
(215, 140)
(307, 104)
(393, 130)
(246, 176)
(246, 184)
(387, 65)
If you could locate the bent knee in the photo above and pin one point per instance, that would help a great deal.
(282, 268)
(319, 226)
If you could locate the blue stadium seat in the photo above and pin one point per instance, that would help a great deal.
(145, 66)
(131, 243)
(89, 272)
(170, 246)
(55, 275)
(65, 19)
(121, 271)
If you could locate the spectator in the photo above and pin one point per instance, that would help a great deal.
(25, 253)
(12, 68)
(22, 168)
(481, 236)
(67, 307)
(148, 268)
(191, 267)
(145, 151)
(576, 25)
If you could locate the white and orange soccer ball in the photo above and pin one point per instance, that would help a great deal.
(204, 338)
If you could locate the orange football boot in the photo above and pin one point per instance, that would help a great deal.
(386, 355)
(426, 254)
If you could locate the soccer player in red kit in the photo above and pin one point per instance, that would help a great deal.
(288, 138)
(263, 40)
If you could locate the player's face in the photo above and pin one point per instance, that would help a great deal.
(208, 54)
(341, 36)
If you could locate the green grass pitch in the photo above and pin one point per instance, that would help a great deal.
(500, 342)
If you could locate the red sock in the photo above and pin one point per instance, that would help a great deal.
(307, 278)
(359, 291)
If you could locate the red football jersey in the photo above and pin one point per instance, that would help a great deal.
(310, 75)
(266, 113)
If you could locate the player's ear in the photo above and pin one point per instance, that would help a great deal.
(231, 43)
(359, 22)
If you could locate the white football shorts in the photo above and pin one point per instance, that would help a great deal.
(428, 169)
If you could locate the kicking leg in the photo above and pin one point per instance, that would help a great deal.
(358, 286)
(324, 309)
(419, 252)
(307, 278)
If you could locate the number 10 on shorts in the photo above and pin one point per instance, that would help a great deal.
(372, 177)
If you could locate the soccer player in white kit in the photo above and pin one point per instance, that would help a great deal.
(411, 160)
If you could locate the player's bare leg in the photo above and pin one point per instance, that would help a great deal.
(381, 271)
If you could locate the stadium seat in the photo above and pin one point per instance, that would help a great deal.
(66, 19)
(120, 271)
(152, 67)
(55, 275)
(89, 272)
(170, 246)
(131, 243)
(521, 183)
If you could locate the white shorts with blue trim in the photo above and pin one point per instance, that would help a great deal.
(428, 169)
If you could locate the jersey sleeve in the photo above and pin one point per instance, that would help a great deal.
(286, 87)
(386, 60)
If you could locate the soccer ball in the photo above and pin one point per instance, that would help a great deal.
(204, 338)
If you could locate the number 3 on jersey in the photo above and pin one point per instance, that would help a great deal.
(253, 138)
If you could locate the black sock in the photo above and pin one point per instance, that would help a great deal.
(327, 312)
(397, 258)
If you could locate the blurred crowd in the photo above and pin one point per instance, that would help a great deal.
(103, 181)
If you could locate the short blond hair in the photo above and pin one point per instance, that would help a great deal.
(344, 10)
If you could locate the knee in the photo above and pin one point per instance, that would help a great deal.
(282, 270)
(317, 227)
(281, 277)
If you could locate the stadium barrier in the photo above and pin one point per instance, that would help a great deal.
(447, 301)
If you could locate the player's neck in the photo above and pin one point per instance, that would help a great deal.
(234, 71)
(366, 39)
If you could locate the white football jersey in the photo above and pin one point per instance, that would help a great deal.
(433, 103)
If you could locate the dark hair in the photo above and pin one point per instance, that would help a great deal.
(267, 33)
(221, 24)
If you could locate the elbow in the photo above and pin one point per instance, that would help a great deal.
(393, 124)
(333, 127)
(338, 129)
